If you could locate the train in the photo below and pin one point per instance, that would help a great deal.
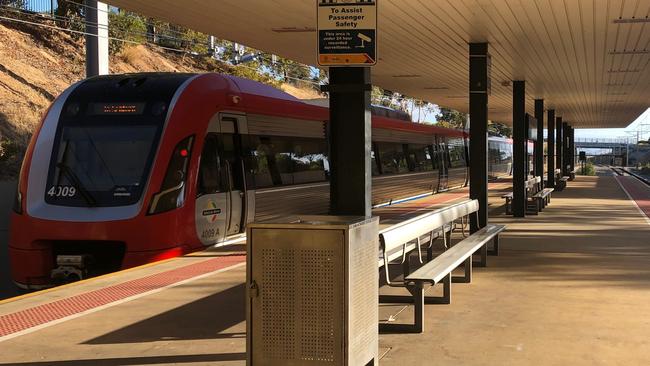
(129, 169)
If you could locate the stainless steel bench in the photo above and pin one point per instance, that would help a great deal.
(398, 240)
(440, 268)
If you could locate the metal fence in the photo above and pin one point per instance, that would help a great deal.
(34, 6)
(597, 140)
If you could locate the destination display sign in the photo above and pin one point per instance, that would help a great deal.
(347, 32)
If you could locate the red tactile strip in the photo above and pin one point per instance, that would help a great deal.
(638, 191)
(42, 314)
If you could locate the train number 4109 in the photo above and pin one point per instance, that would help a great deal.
(62, 191)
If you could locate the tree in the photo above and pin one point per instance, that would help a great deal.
(451, 118)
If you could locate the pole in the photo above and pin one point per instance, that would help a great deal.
(519, 148)
(550, 149)
(350, 138)
(96, 38)
(558, 145)
(539, 143)
(479, 60)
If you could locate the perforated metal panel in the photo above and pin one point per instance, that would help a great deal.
(363, 289)
(277, 303)
(313, 294)
(296, 317)
(318, 304)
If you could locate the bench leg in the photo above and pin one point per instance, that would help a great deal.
(406, 265)
(418, 312)
(418, 299)
(484, 252)
(446, 290)
(495, 248)
(467, 278)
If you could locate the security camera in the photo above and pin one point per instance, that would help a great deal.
(364, 39)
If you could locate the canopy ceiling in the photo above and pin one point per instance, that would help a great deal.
(589, 59)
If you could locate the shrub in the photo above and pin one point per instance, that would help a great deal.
(589, 169)
(125, 26)
(645, 169)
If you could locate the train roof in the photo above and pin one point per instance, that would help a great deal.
(256, 97)
(254, 88)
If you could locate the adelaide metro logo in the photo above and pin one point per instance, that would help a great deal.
(211, 212)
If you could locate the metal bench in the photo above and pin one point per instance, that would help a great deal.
(508, 196)
(560, 181)
(398, 241)
(543, 198)
(438, 269)
(533, 187)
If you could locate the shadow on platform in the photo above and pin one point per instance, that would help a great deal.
(221, 310)
(148, 360)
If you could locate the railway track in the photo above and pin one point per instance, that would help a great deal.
(623, 172)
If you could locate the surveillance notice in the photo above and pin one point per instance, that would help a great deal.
(347, 31)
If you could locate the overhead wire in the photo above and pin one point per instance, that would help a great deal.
(259, 55)
(54, 27)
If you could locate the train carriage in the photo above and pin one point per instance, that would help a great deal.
(130, 169)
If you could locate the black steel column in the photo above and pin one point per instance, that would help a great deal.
(539, 144)
(558, 143)
(478, 113)
(550, 149)
(519, 148)
(565, 148)
(573, 149)
(350, 138)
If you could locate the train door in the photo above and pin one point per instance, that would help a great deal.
(443, 160)
(221, 192)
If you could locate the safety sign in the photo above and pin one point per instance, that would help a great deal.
(347, 32)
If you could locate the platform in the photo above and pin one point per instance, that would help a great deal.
(572, 284)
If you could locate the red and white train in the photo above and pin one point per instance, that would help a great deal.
(130, 169)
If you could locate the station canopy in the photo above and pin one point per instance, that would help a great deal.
(588, 59)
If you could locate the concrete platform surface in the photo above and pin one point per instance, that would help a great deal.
(572, 286)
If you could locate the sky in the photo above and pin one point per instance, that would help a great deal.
(641, 124)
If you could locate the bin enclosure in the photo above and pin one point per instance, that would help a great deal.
(312, 291)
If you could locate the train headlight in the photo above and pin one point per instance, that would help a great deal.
(172, 190)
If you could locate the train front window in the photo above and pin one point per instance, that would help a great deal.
(100, 165)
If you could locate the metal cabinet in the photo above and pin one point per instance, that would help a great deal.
(312, 291)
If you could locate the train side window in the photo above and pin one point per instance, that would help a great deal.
(282, 151)
(421, 158)
(308, 160)
(261, 154)
(209, 167)
(392, 158)
(456, 153)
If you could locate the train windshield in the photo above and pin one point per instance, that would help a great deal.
(101, 165)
